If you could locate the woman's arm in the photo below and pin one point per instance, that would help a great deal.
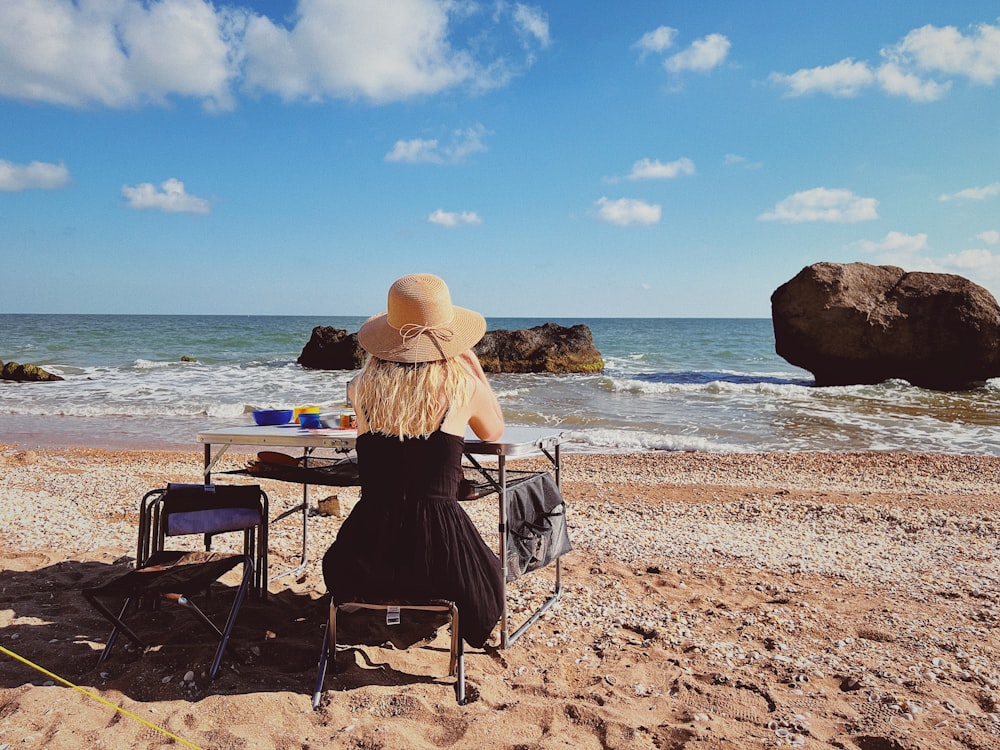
(485, 417)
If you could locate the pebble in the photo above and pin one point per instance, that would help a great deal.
(908, 546)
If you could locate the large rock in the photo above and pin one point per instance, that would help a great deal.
(546, 348)
(26, 373)
(332, 348)
(857, 323)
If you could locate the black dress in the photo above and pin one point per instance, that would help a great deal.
(408, 540)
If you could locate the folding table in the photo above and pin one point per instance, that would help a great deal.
(516, 442)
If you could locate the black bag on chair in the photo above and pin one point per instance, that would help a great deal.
(536, 525)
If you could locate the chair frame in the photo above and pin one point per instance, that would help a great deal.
(456, 662)
(153, 558)
(167, 559)
(153, 530)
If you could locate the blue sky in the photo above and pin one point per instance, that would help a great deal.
(549, 159)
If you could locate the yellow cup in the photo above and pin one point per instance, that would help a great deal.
(303, 410)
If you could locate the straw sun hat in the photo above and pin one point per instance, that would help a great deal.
(421, 324)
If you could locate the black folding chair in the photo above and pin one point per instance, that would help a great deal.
(394, 614)
(179, 575)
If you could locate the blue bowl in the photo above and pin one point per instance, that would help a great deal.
(308, 420)
(265, 417)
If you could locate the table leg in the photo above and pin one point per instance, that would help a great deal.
(304, 508)
(506, 637)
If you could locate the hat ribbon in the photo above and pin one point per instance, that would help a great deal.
(437, 333)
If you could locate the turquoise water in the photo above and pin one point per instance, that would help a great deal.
(668, 384)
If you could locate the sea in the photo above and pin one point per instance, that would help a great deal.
(716, 385)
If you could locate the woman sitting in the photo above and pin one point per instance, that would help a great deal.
(407, 540)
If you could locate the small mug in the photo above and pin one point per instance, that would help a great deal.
(308, 420)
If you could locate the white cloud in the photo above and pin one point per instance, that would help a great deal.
(657, 40)
(126, 53)
(823, 204)
(843, 79)
(37, 174)
(946, 50)
(973, 259)
(912, 68)
(453, 219)
(702, 56)
(171, 199)
(974, 194)
(533, 23)
(117, 54)
(990, 236)
(382, 51)
(464, 143)
(735, 160)
(653, 169)
(356, 49)
(626, 211)
(897, 82)
(896, 243)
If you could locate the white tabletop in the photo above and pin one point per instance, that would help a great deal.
(288, 435)
(516, 441)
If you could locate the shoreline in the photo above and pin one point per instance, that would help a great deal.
(832, 600)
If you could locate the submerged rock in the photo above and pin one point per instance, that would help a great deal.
(26, 373)
(857, 323)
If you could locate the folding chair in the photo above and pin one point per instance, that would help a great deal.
(207, 509)
(393, 616)
(178, 575)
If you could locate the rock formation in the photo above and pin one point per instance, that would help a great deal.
(546, 348)
(858, 323)
(26, 373)
(332, 348)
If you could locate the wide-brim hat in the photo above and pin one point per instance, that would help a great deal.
(421, 324)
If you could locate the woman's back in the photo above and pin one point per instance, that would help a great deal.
(408, 539)
(419, 469)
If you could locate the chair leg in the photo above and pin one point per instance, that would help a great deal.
(248, 570)
(324, 656)
(113, 635)
(118, 623)
(222, 635)
(327, 654)
(460, 673)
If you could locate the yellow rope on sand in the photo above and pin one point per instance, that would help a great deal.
(129, 714)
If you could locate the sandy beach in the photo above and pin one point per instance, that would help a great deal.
(711, 600)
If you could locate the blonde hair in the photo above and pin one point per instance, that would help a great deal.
(410, 400)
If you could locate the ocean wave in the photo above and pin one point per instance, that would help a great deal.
(151, 364)
(702, 383)
(625, 441)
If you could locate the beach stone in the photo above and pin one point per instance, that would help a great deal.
(545, 348)
(857, 323)
(332, 348)
(26, 373)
